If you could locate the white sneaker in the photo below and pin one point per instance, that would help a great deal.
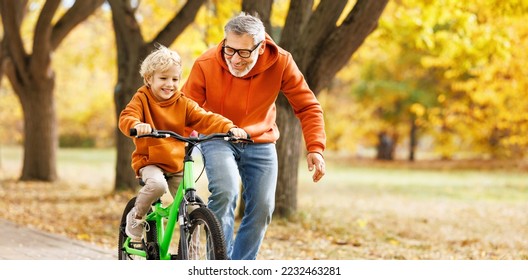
(134, 227)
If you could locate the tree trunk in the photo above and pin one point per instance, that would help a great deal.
(128, 82)
(413, 139)
(241, 204)
(386, 146)
(289, 151)
(127, 85)
(40, 131)
(131, 49)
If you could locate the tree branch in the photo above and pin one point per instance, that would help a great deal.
(344, 41)
(80, 11)
(13, 44)
(179, 22)
(321, 24)
(41, 38)
(298, 15)
(262, 8)
(125, 24)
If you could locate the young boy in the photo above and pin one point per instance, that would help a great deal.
(160, 105)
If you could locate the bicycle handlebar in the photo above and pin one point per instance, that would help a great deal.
(167, 133)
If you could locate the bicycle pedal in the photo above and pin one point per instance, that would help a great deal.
(152, 250)
(137, 244)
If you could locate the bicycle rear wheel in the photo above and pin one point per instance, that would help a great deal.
(151, 236)
(204, 237)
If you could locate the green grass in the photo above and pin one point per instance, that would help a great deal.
(490, 185)
(65, 156)
(86, 156)
(89, 167)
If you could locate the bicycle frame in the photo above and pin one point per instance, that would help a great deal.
(187, 209)
(185, 196)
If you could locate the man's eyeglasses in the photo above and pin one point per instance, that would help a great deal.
(244, 53)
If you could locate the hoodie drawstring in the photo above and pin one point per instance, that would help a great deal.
(247, 95)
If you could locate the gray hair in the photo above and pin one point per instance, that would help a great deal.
(246, 24)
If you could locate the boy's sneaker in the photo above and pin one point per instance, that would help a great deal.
(134, 227)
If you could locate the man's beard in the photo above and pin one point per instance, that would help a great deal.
(242, 73)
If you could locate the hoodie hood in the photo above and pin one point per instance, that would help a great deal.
(265, 61)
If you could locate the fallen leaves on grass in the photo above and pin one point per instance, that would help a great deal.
(369, 227)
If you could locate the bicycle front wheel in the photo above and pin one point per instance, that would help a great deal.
(204, 237)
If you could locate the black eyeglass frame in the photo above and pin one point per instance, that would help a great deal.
(235, 51)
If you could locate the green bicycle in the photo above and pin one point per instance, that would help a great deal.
(201, 237)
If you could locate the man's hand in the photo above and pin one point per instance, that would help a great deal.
(143, 128)
(238, 132)
(316, 160)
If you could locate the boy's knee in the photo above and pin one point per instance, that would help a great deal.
(156, 186)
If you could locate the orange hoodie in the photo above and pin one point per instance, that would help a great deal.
(173, 114)
(249, 101)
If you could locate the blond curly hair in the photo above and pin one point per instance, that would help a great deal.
(161, 59)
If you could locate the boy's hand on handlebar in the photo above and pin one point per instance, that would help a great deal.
(316, 160)
(143, 128)
(239, 132)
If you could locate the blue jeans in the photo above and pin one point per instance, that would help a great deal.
(257, 166)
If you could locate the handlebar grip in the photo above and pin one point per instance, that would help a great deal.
(248, 137)
(133, 132)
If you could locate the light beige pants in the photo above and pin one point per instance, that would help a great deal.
(157, 182)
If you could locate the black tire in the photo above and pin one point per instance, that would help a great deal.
(151, 235)
(205, 238)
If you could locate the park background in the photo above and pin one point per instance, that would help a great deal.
(426, 127)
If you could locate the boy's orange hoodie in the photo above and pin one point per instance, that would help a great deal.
(250, 101)
(173, 114)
